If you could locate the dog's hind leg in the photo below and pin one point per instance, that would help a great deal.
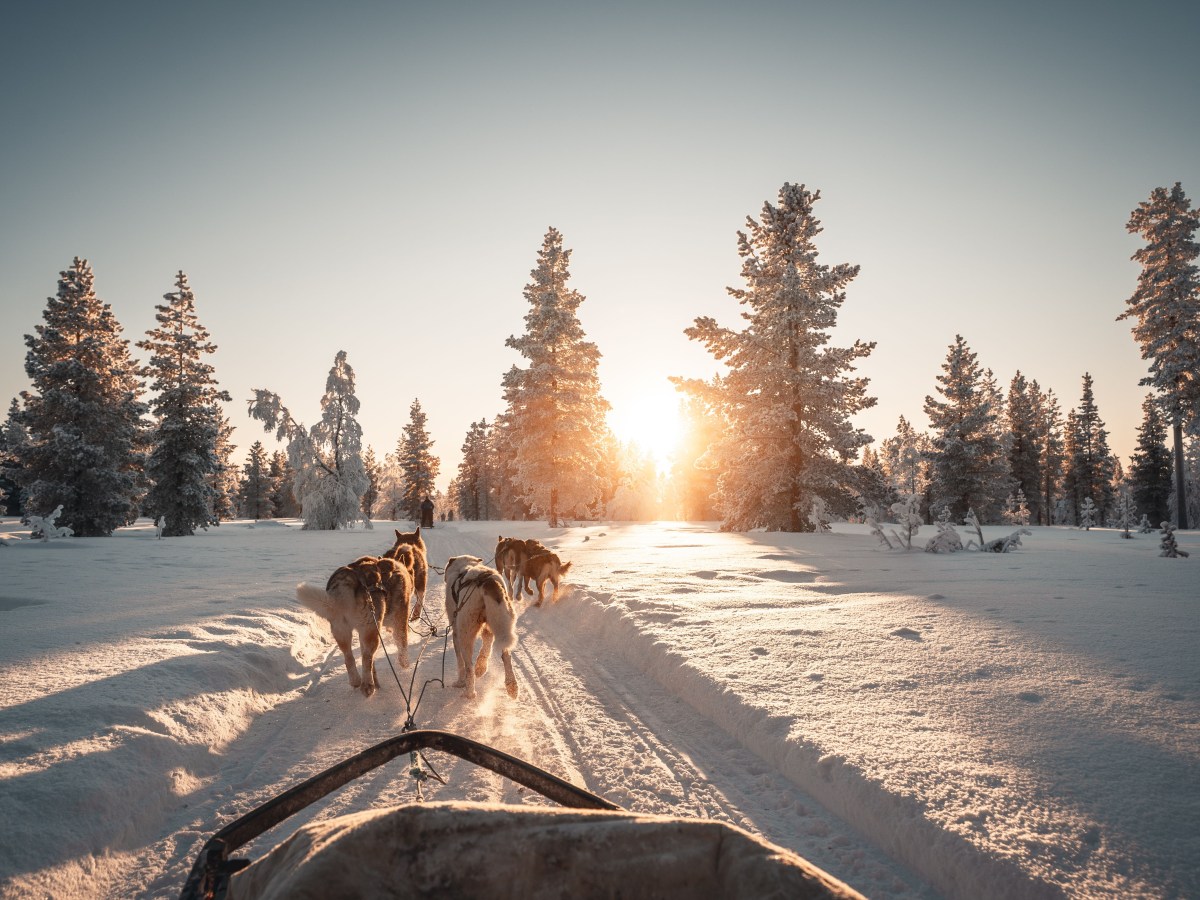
(369, 639)
(510, 680)
(343, 636)
(481, 664)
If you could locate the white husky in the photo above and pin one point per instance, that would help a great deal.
(477, 600)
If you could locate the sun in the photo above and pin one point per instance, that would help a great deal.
(650, 419)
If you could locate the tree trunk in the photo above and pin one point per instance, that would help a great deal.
(1181, 519)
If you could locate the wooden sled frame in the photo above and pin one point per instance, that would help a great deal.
(209, 877)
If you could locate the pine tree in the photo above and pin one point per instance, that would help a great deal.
(787, 397)
(905, 458)
(283, 493)
(330, 480)
(12, 438)
(420, 467)
(555, 416)
(1048, 431)
(188, 416)
(474, 486)
(225, 481)
(1089, 461)
(374, 472)
(1150, 465)
(84, 418)
(1024, 447)
(1166, 305)
(968, 465)
(257, 487)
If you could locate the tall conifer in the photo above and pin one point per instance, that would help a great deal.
(1089, 461)
(1150, 466)
(188, 417)
(969, 469)
(554, 419)
(84, 414)
(1166, 306)
(420, 467)
(786, 396)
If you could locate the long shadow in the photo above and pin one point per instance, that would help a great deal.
(119, 767)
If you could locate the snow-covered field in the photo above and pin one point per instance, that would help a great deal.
(972, 725)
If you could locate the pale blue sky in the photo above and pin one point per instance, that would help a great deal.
(378, 177)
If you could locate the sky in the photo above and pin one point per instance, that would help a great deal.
(378, 178)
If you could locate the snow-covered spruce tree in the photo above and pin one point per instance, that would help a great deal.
(257, 486)
(1048, 428)
(905, 458)
(1125, 513)
(1089, 461)
(12, 438)
(555, 415)
(969, 469)
(1166, 307)
(225, 480)
(1168, 544)
(1024, 447)
(476, 480)
(414, 452)
(390, 504)
(188, 416)
(283, 495)
(330, 479)
(1087, 514)
(874, 492)
(374, 472)
(786, 396)
(84, 415)
(1150, 465)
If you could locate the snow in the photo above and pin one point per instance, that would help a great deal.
(919, 725)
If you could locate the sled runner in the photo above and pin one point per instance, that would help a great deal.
(457, 849)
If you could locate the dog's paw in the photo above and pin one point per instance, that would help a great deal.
(460, 683)
(513, 690)
(470, 695)
(369, 688)
(356, 681)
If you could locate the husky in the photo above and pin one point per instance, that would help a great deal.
(477, 600)
(363, 596)
(511, 554)
(540, 569)
(420, 567)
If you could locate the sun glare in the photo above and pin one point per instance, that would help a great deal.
(651, 421)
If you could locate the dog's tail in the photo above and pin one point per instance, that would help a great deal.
(563, 568)
(315, 598)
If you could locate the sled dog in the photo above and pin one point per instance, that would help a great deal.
(511, 554)
(420, 568)
(477, 600)
(352, 592)
(540, 569)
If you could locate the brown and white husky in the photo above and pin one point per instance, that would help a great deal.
(369, 584)
(478, 602)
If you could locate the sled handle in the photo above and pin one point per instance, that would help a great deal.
(212, 868)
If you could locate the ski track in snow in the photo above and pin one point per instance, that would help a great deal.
(683, 672)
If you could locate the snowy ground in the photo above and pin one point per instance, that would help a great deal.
(973, 725)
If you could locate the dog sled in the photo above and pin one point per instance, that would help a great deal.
(588, 847)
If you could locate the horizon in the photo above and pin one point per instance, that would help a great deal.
(385, 175)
